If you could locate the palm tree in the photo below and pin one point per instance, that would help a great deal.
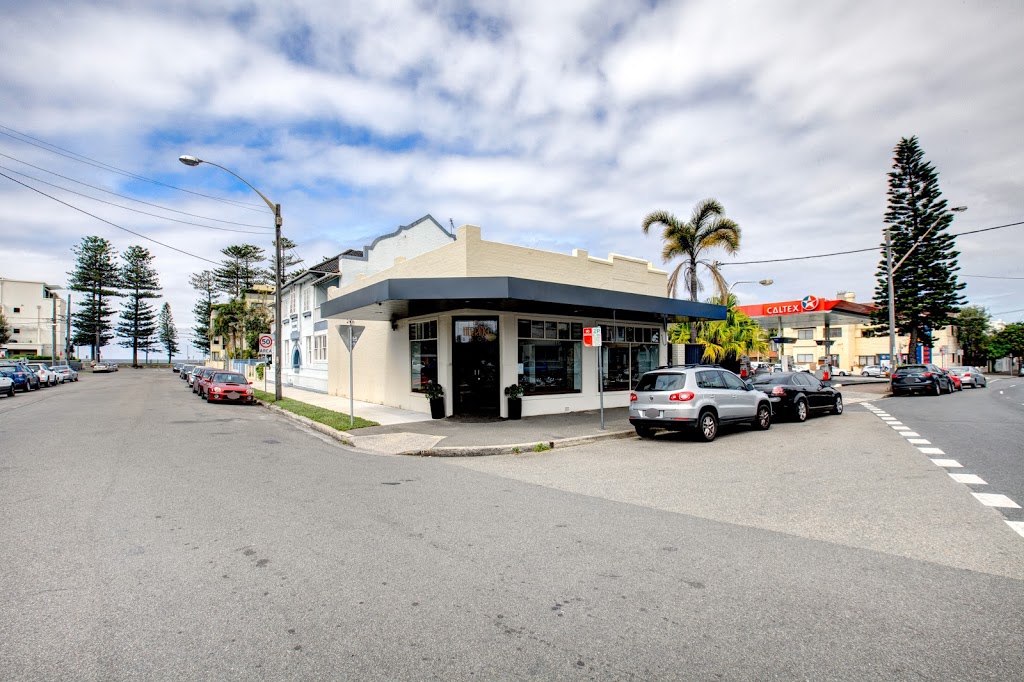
(707, 229)
(736, 335)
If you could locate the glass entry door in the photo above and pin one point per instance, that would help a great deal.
(475, 375)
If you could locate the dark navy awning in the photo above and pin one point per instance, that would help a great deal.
(395, 299)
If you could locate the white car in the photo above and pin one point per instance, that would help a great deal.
(46, 375)
(100, 367)
(7, 386)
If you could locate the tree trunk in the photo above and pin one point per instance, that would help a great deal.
(693, 297)
(912, 347)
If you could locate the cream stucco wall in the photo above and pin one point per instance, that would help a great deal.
(382, 355)
(471, 256)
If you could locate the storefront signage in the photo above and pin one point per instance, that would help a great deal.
(807, 304)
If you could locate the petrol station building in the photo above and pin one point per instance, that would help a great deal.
(814, 329)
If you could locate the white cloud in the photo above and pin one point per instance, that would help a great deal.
(557, 125)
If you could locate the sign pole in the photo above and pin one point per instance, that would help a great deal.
(600, 383)
(351, 389)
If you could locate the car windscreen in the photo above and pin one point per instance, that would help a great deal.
(661, 382)
(913, 369)
(225, 378)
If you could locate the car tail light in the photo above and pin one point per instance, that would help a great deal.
(927, 374)
(632, 397)
(681, 397)
(967, 374)
(778, 390)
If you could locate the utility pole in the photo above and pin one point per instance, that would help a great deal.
(53, 335)
(67, 331)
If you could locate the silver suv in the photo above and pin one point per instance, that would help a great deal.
(698, 397)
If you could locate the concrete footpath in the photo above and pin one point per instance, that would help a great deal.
(404, 432)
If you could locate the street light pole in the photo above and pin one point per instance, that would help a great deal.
(276, 208)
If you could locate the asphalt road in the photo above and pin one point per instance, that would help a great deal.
(147, 535)
(982, 429)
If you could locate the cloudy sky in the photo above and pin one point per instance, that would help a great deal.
(556, 125)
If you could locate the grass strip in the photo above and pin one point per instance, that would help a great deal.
(336, 420)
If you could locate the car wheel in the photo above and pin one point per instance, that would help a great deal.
(837, 406)
(800, 410)
(763, 420)
(707, 426)
(938, 389)
(642, 431)
(208, 398)
(863, 374)
(10, 391)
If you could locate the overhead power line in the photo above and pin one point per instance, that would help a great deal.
(123, 196)
(990, 277)
(74, 156)
(102, 220)
(126, 208)
(873, 248)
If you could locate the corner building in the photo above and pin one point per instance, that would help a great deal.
(477, 316)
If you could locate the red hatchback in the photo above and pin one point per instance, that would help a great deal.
(228, 387)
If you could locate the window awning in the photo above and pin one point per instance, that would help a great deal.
(395, 299)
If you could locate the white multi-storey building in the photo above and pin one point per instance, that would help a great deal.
(305, 334)
(36, 316)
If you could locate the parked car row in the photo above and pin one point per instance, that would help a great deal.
(218, 385)
(934, 380)
(700, 398)
(25, 376)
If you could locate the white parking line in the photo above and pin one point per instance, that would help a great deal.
(919, 441)
(968, 478)
(910, 434)
(994, 500)
(1017, 526)
(951, 463)
(894, 423)
(932, 451)
(901, 427)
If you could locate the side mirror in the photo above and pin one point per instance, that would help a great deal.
(749, 384)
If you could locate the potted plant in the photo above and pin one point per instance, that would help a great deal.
(435, 394)
(515, 404)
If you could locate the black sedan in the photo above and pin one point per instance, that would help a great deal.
(920, 379)
(798, 394)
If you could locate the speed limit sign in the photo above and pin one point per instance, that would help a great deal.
(266, 342)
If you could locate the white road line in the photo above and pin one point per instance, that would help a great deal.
(994, 500)
(910, 434)
(919, 441)
(894, 423)
(968, 478)
(1000, 392)
(901, 427)
(1017, 526)
(951, 463)
(932, 451)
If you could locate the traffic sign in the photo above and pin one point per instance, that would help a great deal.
(266, 342)
(350, 334)
(592, 337)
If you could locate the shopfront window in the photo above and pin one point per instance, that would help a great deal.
(628, 352)
(423, 354)
(550, 357)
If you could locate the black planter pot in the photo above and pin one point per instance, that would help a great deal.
(437, 408)
(515, 408)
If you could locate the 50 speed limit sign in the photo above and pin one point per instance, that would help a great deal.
(266, 341)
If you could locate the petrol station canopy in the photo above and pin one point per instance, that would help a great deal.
(810, 311)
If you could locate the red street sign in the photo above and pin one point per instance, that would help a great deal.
(592, 337)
